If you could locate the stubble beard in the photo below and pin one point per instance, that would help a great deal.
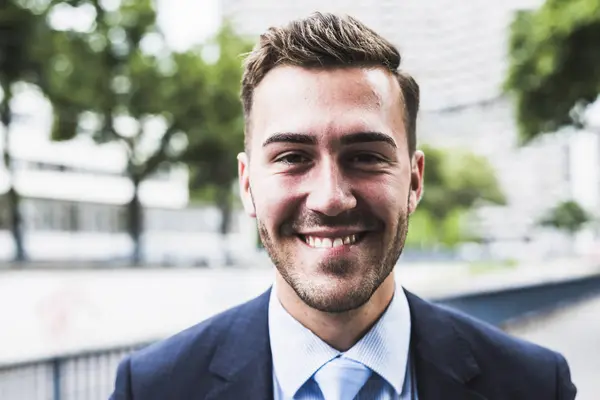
(351, 293)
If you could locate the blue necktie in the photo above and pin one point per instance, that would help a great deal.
(341, 378)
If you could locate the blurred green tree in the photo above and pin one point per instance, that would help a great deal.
(119, 81)
(456, 181)
(215, 142)
(568, 216)
(553, 72)
(24, 36)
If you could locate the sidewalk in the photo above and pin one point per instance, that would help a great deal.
(574, 332)
(43, 313)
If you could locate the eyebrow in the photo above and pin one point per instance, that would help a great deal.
(366, 137)
(286, 137)
(354, 138)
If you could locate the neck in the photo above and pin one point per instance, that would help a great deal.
(341, 330)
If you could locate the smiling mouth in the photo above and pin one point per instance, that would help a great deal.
(332, 242)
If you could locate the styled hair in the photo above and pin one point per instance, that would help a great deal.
(324, 40)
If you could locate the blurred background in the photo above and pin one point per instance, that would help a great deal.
(120, 223)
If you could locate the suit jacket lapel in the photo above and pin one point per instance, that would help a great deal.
(443, 360)
(432, 384)
(242, 364)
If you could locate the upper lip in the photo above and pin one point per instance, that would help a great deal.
(332, 232)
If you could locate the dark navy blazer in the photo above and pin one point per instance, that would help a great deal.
(228, 357)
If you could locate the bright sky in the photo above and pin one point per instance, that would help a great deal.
(188, 22)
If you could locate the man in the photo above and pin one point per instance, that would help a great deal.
(331, 173)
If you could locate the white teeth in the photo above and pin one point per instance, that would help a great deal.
(330, 242)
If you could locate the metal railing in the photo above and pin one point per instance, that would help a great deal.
(83, 376)
(91, 375)
(505, 306)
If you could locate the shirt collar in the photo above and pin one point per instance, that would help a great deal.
(298, 353)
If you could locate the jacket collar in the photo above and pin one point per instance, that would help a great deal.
(444, 363)
(242, 362)
(443, 359)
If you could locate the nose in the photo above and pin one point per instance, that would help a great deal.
(330, 192)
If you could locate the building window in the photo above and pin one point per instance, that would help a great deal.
(47, 216)
(122, 219)
(73, 217)
(3, 214)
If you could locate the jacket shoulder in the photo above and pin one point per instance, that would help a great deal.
(493, 340)
(200, 339)
(170, 365)
(510, 362)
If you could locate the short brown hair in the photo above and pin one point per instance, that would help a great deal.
(325, 40)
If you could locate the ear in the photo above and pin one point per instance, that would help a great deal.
(416, 180)
(244, 182)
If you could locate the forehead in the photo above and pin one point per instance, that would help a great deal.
(327, 103)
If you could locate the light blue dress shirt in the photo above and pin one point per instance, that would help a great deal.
(298, 354)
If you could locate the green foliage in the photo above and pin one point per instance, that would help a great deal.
(568, 216)
(427, 231)
(455, 182)
(23, 33)
(554, 58)
(456, 179)
(118, 81)
(104, 72)
(422, 232)
(451, 228)
(215, 141)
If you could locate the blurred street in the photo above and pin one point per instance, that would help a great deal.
(69, 311)
(575, 332)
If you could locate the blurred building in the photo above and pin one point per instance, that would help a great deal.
(458, 53)
(74, 197)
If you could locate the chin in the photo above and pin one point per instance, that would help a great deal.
(333, 294)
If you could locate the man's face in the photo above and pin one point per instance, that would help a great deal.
(330, 181)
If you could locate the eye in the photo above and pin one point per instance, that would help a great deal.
(365, 158)
(292, 159)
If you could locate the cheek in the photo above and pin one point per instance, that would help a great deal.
(386, 199)
(274, 200)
